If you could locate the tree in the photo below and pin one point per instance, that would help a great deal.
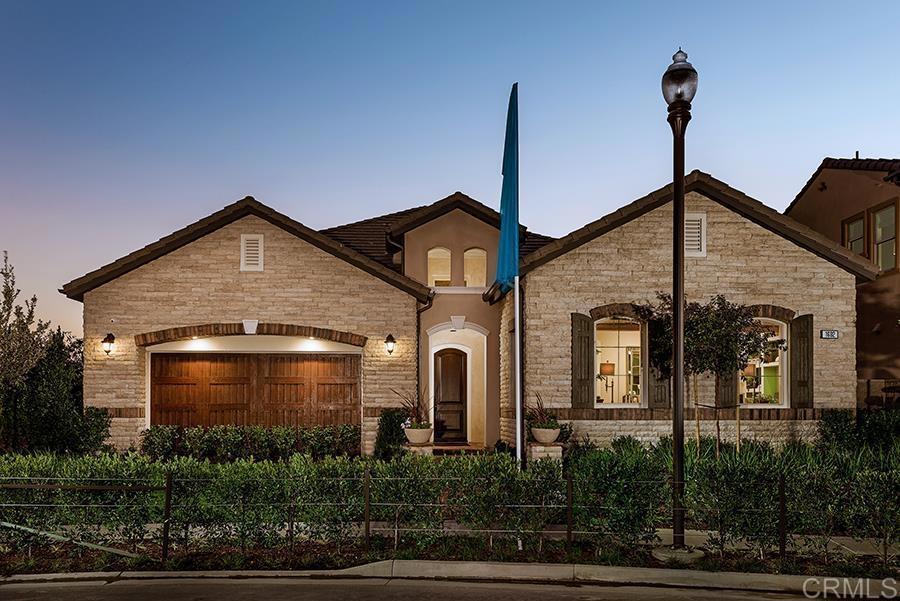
(23, 340)
(52, 416)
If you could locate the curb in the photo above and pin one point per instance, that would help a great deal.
(547, 573)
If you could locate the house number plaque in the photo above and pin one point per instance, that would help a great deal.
(828, 334)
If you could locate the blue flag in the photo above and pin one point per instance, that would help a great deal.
(508, 250)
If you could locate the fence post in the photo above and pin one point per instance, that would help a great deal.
(167, 515)
(367, 495)
(291, 523)
(569, 495)
(782, 518)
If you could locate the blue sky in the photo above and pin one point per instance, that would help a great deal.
(123, 121)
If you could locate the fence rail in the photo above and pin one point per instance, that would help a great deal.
(564, 507)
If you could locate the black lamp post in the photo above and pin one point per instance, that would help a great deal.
(679, 84)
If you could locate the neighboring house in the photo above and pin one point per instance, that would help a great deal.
(320, 306)
(856, 202)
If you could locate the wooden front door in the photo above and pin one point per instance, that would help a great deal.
(206, 389)
(450, 383)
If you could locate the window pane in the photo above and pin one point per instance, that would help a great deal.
(856, 230)
(475, 267)
(886, 254)
(761, 382)
(858, 246)
(618, 371)
(438, 267)
(885, 224)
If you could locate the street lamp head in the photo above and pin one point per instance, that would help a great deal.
(679, 82)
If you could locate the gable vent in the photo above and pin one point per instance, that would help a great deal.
(695, 235)
(251, 252)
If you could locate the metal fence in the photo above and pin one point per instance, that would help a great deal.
(90, 511)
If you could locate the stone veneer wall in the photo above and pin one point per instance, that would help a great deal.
(202, 283)
(507, 407)
(745, 262)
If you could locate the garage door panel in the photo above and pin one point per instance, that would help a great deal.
(263, 389)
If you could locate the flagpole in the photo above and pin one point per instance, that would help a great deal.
(520, 439)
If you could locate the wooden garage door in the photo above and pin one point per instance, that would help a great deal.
(197, 389)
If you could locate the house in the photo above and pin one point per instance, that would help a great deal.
(856, 203)
(248, 316)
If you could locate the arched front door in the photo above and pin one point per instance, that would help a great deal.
(450, 384)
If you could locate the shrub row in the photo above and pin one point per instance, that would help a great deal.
(620, 496)
(229, 443)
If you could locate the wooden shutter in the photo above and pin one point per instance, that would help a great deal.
(659, 390)
(728, 390)
(582, 361)
(800, 365)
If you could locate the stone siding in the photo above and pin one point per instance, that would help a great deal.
(202, 283)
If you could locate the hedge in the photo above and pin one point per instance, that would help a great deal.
(229, 443)
(620, 496)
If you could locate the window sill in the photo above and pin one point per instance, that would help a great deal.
(458, 290)
(763, 406)
(618, 406)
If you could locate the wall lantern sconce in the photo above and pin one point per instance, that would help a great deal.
(108, 342)
(389, 344)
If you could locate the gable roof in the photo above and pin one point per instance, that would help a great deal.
(725, 195)
(891, 166)
(380, 237)
(242, 208)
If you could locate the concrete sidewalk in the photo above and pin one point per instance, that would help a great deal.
(510, 572)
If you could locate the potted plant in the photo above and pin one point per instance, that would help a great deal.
(544, 426)
(417, 428)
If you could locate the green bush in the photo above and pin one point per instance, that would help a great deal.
(230, 443)
(852, 429)
(620, 494)
(390, 437)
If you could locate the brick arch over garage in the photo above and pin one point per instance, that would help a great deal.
(629, 310)
(237, 329)
(775, 312)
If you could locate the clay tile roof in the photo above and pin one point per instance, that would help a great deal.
(725, 195)
(242, 208)
(891, 166)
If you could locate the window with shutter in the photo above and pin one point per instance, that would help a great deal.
(800, 352)
(251, 252)
(695, 235)
(582, 361)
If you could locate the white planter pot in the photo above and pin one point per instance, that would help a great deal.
(545, 435)
(418, 436)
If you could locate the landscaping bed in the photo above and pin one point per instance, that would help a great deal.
(315, 556)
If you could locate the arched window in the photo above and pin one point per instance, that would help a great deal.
(764, 380)
(619, 361)
(475, 267)
(438, 267)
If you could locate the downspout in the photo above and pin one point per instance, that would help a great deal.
(419, 311)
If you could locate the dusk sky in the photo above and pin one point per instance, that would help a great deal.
(124, 121)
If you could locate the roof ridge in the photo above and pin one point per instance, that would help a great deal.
(400, 213)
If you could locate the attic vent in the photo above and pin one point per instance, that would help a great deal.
(695, 234)
(251, 252)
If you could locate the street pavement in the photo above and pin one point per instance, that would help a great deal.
(357, 590)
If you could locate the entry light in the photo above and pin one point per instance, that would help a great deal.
(108, 343)
(389, 344)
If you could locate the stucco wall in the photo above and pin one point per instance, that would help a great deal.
(745, 262)
(201, 283)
